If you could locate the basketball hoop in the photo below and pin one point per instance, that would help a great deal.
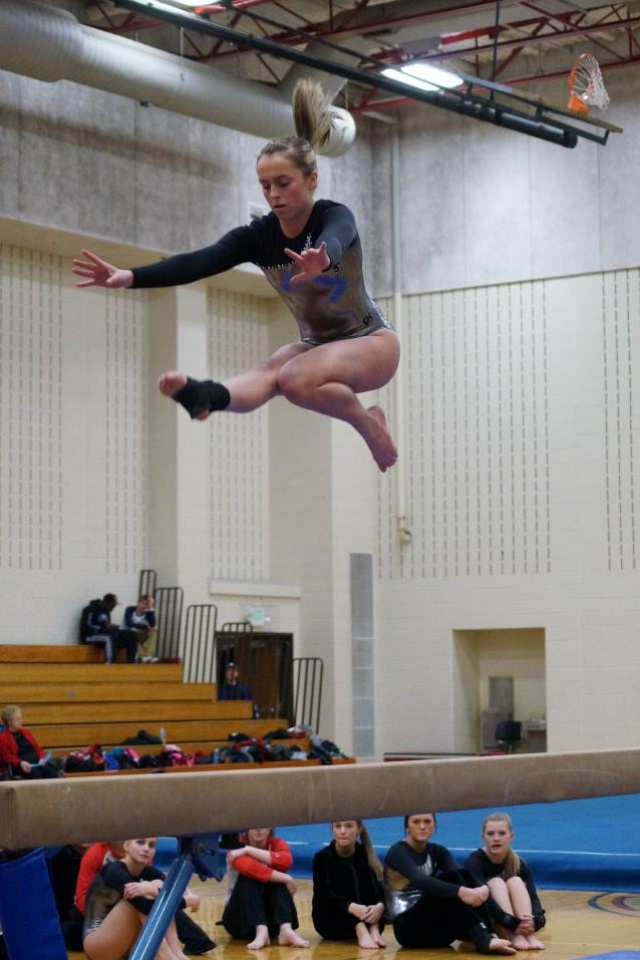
(586, 85)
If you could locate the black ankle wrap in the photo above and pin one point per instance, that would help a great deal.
(199, 395)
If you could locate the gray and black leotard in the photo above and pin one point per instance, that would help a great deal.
(332, 306)
(107, 889)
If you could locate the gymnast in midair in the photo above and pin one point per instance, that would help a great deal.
(310, 252)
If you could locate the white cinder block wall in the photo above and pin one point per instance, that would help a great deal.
(519, 440)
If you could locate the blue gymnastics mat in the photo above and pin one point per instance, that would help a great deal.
(574, 845)
(577, 844)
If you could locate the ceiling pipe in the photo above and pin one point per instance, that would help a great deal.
(49, 44)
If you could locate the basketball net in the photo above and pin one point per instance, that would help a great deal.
(586, 85)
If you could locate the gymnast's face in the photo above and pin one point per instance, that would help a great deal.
(497, 836)
(287, 190)
(420, 827)
(345, 834)
(140, 852)
(258, 837)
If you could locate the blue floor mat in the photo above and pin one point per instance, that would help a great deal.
(577, 844)
(574, 845)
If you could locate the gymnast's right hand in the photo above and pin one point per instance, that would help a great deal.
(99, 273)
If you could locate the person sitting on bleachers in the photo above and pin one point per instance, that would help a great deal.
(141, 618)
(96, 628)
(20, 752)
(231, 688)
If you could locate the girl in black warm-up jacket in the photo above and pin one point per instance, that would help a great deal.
(348, 898)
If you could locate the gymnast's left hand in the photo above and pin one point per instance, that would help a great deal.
(312, 262)
(99, 273)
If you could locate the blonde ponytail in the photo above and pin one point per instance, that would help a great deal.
(369, 849)
(312, 113)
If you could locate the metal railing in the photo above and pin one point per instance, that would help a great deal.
(199, 643)
(169, 601)
(308, 674)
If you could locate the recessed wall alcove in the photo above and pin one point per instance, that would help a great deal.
(483, 663)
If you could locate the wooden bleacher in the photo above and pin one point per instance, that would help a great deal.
(70, 698)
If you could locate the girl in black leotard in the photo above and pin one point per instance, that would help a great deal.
(310, 252)
(431, 900)
(515, 904)
(119, 900)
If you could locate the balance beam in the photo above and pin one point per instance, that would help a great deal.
(50, 812)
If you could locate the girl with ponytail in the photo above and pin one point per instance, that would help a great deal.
(348, 901)
(515, 904)
(310, 252)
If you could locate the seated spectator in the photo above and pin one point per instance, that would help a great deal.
(196, 941)
(119, 901)
(231, 688)
(515, 905)
(142, 619)
(431, 900)
(259, 904)
(348, 899)
(96, 628)
(20, 752)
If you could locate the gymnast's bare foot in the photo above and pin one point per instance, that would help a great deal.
(378, 439)
(171, 383)
(534, 944)
(261, 938)
(365, 940)
(289, 938)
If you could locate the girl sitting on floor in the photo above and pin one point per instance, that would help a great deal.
(431, 900)
(260, 892)
(348, 899)
(515, 903)
(119, 900)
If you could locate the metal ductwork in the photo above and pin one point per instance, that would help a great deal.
(49, 44)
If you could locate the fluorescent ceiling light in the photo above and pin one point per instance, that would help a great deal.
(424, 76)
(189, 4)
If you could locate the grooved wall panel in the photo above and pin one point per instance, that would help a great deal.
(476, 438)
(30, 411)
(125, 348)
(239, 444)
(620, 312)
(73, 457)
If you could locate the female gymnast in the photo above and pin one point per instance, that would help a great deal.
(119, 900)
(260, 892)
(310, 252)
(515, 902)
(431, 900)
(348, 899)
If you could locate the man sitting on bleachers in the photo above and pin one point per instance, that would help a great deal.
(96, 628)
